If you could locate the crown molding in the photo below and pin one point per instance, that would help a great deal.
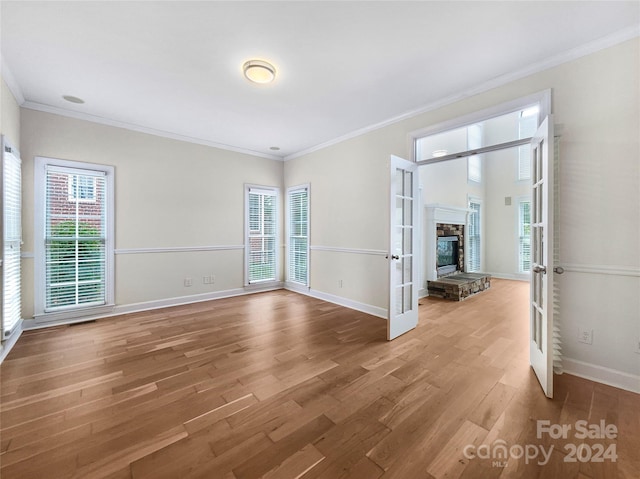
(565, 57)
(143, 129)
(11, 82)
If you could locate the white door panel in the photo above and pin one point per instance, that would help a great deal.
(541, 317)
(403, 266)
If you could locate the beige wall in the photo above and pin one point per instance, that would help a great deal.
(167, 194)
(596, 102)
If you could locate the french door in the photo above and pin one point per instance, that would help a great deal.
(403, 266)
(541, 347)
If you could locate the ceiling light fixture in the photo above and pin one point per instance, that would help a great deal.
(73, 99)
(259, 71)
(439, 153)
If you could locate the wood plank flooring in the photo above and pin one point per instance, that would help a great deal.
(280, 385)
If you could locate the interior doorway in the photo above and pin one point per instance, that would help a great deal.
(488, 212)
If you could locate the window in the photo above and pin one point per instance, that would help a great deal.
(527, 126)
(75, 228)
(11, 240)
(474, 162)
(473, 236)
(298, 235)
(262, 228)
(524, 233)
(82, 188)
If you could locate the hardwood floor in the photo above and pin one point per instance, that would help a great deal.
(280, 385)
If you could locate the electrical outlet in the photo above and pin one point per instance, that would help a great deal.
(339, 283)
(585, 335)
(188, 282)
(206, 280)
(212, 279)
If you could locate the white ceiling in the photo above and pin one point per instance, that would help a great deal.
(175, 67)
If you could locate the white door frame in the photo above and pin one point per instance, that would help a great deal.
(543, 99)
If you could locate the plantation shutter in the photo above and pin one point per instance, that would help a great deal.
(12, 240)
(261, 240)
(75, 238)
(524, 226)
(473, 264)
(298, 235)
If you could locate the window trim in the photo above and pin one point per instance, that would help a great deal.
(293, 189)
(276, 191)
(39, 248)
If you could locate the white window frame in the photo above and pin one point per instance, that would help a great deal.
(247, 247)
(520, 200)
(40, 177)
(290, 190)
(476, 200)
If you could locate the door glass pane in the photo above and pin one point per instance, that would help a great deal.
(399, 210)
(407, 298)
(398, 267)
(407, 261)
(408, 212)
(539, 165)
(399, 182)
(539, 330)
(399, 298)
(408, 183)
(408, 235)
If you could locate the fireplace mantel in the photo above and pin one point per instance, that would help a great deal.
(439, 213)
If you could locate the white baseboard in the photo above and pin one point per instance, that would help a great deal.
(160, 303)
(296, 287)
(593, 372)
(512, 276)
(7, 345)
(347, 303)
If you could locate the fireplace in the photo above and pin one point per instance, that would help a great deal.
(447, 255)
(443, 221)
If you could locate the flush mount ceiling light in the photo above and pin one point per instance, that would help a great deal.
(439, 153)
(73, 99)
(259, 71)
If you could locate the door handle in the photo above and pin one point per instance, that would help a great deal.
(395, 256)
(558, 270)
(540, 269)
